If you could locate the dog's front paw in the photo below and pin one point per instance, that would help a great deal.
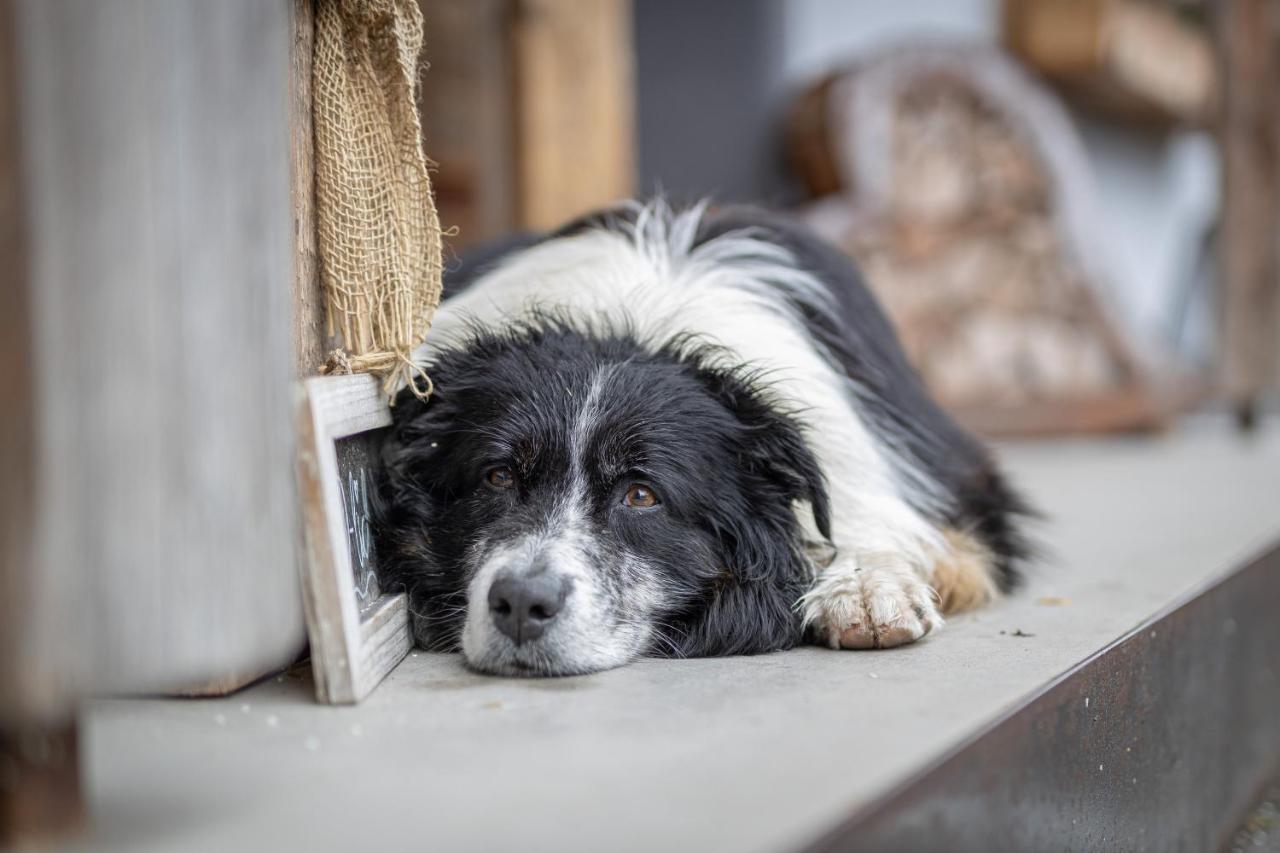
(871, 607)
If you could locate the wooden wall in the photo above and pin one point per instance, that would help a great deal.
(151, 537)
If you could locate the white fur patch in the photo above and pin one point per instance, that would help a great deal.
(587, 634)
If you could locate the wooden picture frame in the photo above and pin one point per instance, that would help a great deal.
(358, 632)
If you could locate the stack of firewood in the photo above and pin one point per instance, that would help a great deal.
(957, 223)
(967, 261)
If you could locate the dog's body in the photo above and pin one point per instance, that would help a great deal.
(682, 434)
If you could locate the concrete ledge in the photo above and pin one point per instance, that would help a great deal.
(1161, 741)
(784, 751)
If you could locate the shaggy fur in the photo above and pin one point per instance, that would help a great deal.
(735, 368)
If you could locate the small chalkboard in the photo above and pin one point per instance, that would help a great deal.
(357, 472)
(357, 630)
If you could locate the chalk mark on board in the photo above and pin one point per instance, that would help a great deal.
(355, 501)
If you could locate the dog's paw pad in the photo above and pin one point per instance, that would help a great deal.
(869, 612)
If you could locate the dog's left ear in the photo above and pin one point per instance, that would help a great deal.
(751, 606)
(773, 446)
(782, 455)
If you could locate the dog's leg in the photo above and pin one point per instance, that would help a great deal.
(870, 598)
(874, 592)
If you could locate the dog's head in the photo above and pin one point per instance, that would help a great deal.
(567, 501)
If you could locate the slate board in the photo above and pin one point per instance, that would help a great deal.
(358, 465)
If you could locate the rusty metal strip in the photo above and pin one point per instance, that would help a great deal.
(1160, 742)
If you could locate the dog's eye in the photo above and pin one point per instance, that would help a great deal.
(501, 478)
(640, 496)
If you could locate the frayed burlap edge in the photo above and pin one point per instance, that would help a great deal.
(377, 231)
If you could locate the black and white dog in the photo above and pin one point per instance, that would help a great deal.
(680, 433)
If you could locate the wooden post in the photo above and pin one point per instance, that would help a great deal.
(40, 793)
(574, 107)
(148, 502)
(308, 301)
(309, 337)
(1248, 263)
(467, 106)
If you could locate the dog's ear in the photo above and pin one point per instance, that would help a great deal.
(750, 606)
(404, 501)
(781, 453)
(747, 616)
(772, 444)
(410, 505)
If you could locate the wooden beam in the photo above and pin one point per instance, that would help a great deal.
(1249, 290)
(575, 107)
(40, 792)
(308, 300)
(17, 429)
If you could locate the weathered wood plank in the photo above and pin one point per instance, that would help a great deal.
(308, 300)
(309, 338)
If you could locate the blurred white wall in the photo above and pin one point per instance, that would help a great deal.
(819, 34)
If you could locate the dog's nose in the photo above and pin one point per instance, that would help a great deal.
(522, 607)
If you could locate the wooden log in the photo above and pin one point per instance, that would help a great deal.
(1132, 59)
(1248, 266)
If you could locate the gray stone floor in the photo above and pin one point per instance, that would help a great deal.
(736, 754)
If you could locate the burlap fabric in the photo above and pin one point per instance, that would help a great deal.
(378, 234)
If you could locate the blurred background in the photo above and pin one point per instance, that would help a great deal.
(1068, 207)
